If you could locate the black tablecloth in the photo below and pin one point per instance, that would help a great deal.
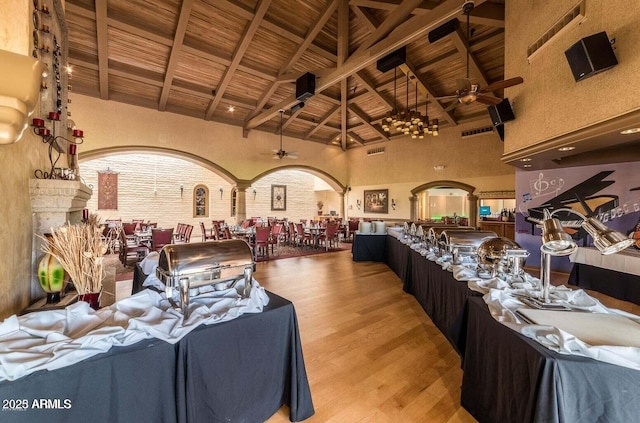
(511, 378)
(243, 370)
(368, 247)
(397, 257)
(623, 286)
(440, 295)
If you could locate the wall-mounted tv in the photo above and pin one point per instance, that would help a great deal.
(485, 210)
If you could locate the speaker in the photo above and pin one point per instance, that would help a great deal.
(443, 30)
(500, 130)
(590, 56)
(501, 112)
(305, 86)
(392, 60)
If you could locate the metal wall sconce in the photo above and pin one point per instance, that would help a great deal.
(181, 190)
(19, 93)
(221, 192)
(254, 193)
(393, 204)
(556, 242)
(358, 204)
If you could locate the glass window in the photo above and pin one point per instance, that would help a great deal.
(200, 201)
(234, 195)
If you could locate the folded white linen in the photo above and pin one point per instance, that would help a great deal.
(465, 273)
(504, 305)
(58, 338)
(150, 263)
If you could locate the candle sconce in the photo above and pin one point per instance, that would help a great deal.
(49, 137)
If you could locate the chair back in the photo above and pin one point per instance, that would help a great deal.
(129, 228)
(187, 233)
(204, 231)
(277, 230)
(332, 230)
(262, 234)
(215, 231)
(353, 225)
(160, 238)
(227, 233)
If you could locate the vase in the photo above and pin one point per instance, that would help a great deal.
(93, 298)
(51, 277)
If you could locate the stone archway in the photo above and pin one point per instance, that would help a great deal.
(472, 199)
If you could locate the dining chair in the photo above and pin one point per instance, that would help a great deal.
(129, 250)
(227, 233)
(206, 235)
(302, 237)
(277, 237)
(329, 236)
(160, 238)
(261, 241)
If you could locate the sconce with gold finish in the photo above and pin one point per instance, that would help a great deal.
(19, 92)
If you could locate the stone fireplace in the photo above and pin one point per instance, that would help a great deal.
(54, 202)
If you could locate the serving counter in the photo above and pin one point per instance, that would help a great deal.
(240, 370)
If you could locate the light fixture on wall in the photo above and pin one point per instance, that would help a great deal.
(19, 92)
(181, 190)
(358, 204)
(221, 192)
(393, 204)
(254, 193)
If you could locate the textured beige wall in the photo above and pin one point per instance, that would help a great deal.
(550, 102)
(149, 189)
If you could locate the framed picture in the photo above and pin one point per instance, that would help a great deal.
(278, 197)
(376, 201)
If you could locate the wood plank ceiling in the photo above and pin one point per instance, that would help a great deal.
(202, 58)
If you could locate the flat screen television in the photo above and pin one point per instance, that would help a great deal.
(485, 210)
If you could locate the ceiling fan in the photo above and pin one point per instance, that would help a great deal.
(468, 91)
(281, 154)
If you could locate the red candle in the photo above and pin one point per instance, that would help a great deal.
(54, 116)
(72, 149)
(85, 214)
(38, 123)
(78, 133)
(44, 131)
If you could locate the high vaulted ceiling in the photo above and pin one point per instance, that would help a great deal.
(202, 57)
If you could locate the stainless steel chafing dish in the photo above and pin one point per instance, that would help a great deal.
(220, 264)
(461, 243)
(500, 257)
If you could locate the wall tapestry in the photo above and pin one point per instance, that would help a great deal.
(107, 190)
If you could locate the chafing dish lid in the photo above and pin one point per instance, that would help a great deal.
(199, 257)
(465, 237)
(493, 250)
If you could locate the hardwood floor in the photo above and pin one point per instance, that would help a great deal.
(371, 353)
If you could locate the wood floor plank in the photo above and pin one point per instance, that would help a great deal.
(371, 353)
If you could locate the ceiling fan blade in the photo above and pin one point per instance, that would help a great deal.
(452, 106)
(502, 84)
(446, 97)
(488, 99)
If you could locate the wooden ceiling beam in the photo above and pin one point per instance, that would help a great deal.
(390, 5)
(323, 121)
(459, 41)
(398, 15)
(102, 35)
(172, 63)
(311, 34)
(367, 122)
(405, 33)
(360, 76)
(365, 16)
(343, 54)
(490, 14)
(238, 54)
(289, 120)
(355, 138)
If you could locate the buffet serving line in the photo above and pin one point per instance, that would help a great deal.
(572, 359)
(213, 345)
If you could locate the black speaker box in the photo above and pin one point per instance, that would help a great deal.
(500, 130)
(590, 56)
(443, 30)
(392, 60)
(501, 112)
(305, 86)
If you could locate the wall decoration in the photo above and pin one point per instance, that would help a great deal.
(376, 201)
(610, 193)
(107, 190)
(278, 197)
(201, 201)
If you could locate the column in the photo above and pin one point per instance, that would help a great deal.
(241, 200)
(473, 209)
(413, 200)
(343, 205)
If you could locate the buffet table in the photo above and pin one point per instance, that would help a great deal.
(368, 247)
(397, 257)
(616, 275)
(511, 378)
(240, 370)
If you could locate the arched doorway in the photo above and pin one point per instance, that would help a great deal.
(452, 199)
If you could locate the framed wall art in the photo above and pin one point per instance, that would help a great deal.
(376, 201)
(278, 197)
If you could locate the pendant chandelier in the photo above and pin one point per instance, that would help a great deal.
(409, 122)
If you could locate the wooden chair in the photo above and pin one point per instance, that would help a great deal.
(302, 238)
(130, 250)
(330, 236)
(206, 235)
(160, 238)
(277, 237)
(215, 231)
(261, 241)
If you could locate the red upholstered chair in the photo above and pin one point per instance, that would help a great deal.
(206, 235)
(160, 238)
(261, 241)
(130, 250)
(277, 237)
(330, 236)
(302, 237)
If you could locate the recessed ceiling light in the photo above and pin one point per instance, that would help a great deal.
(527, 165)
(438, 167)
(630, 131)
(526, 159)
(566, 148)
(231, 109)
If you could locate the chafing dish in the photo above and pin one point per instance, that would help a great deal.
(462, 243)
(501, 257)
(220, 264)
